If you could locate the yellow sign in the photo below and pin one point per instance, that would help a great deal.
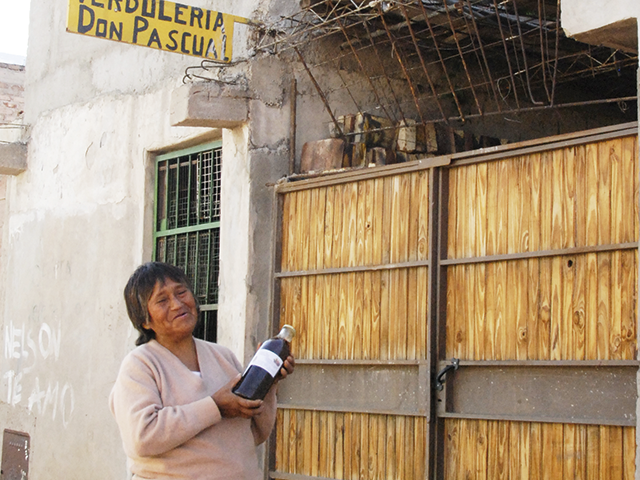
(158, 24)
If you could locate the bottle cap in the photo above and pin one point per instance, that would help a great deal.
(287, 333)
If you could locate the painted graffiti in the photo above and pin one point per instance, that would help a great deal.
(24, 348)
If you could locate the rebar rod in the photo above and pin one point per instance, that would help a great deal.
(464, 63)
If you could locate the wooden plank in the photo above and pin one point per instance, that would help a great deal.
(479, 318)
(628, 309)
(412, 313)
(569, 193)
(365, 456)
(493, 447)
(338, 227)
(555, 339)
(604, 306)
(422, 310)
(330, 206)
(593, 452)
(280, 436)
(514, 212)
(500, 330)
(581, 196)
(423, 215)
(332, 433)
(470, 239)
(338, 460)
(536, 456)
(467, 288)
(569, 467)
(628, 453)
(617, 190)
(323, 444)
(502, 451)
(461, 235)
(307, 439)
(591, 308)
(489, 347)
(605, 456)
(522, 309)
(524, 450)
(382, 459)
(349, 450)
(616, 306)
(420, 448)
(579, 307)
(534, 320)
(566, 321)
(514, 450)
(468, 435)
(286, 239)
(392, 464)
(481, 451)
(291, 416)
(557, 207)
(452, 213)
(492, 208)
(372, 455)
(452, 448)
(614, 451)
(376, 313)
(546, 200)
(343, 317)
(552, 441)
(361, 223)
(604, 195)
(300, 446)
(480, 205)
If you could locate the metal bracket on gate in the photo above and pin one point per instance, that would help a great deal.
(440, 378)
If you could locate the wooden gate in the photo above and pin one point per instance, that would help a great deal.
(515, 272)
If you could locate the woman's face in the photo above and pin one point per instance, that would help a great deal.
(172, 311)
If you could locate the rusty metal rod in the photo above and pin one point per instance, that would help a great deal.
(464, 63)
(362, 67)
(319, 90)
(543, 48)
(444, 67)
(484, 57)
(524, 54)
(398, 54)
(506, 54)
(424, 67)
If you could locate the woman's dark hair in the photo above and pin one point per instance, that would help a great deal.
(139, 289)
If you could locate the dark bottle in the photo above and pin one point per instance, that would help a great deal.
(265, 366)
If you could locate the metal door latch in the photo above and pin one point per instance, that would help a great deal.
(455, 363)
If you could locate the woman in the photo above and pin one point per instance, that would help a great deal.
(172, 398)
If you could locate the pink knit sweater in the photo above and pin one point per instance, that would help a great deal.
(170, 426)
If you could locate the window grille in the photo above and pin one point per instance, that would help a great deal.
(187, 223)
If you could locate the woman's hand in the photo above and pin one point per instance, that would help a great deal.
(287, 367)
(231, 405)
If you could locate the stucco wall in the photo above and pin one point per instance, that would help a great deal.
(79, 221)
(579, 16)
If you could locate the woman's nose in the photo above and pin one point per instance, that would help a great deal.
(175, 302)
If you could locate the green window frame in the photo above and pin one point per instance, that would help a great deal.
(187, 223)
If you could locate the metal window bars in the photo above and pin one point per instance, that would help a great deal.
(188, 224)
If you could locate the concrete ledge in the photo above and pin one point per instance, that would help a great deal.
(622, 35)
(209, 105)
(13, 158)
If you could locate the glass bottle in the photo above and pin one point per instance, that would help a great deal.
(265, 365)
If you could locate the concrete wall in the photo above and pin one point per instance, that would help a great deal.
(602, 22)
(78, 222)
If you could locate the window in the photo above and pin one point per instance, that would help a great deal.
(187, 223)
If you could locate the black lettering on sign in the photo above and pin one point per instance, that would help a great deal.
(179, 12)
(96, 4)
(161, 15)
(207, 23)
(118, 7)
(183, 46)
(219, 22)
(174, 45)
(211, 50)
(139, 25)
(197, 51)
(131, 6)
(115, 32)
(82, 26)
(145, 8)
(101, 28)
(154, 38)
(196, 14)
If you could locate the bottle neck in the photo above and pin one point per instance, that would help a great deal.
(287, 333)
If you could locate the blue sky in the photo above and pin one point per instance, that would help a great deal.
(14, 22)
